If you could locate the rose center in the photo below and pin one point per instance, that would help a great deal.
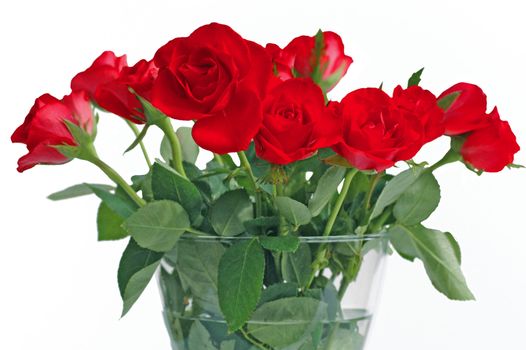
(291, 113)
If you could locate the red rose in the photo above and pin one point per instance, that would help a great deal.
(104, 69)
(299, 59)
(217, 78)
(378, 130)
(44, 127)
(467, 112)
(296, 123)
(114, 96)
(283, 61)
(492, 147)
(422, 104)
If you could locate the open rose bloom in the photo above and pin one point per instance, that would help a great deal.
(276, 241)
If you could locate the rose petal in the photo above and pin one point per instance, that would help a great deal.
(233, 129)
(41, 154)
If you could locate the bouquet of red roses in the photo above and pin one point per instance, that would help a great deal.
(260, 253)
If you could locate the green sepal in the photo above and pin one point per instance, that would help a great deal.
(445, 102)
(152, 114)
(138, 139)
(319, 46)
(83, 149)
(415, 79)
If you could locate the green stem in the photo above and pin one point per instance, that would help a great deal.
(332, 336)
(219, 160)
(352, 270)
(253, 341)
(279, 189)
(248, 168)
(371, 190)
(320, 256)
(177, 154)
(196, 232)
(450, 157)
(141, 144)
(115, 177)
(379, 222)
(339, 202)
(282, 222)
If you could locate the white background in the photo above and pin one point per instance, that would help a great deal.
(58, 285)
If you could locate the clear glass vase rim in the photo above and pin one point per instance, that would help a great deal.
(303, 239)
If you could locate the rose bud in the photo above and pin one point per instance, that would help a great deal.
(45, 127)
(104, 69)
(301, 59)
(115, 96)
(468, 110)
(492, 147)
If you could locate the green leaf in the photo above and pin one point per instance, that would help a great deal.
(228, 345)
(440, 255)
(278, 291)
(293, 211)
(143, 183)
(230, 211)
(172, 291)
(345, 339)
(329, 295)
(158, 225)
(240, 282)
(118, 202)
(168, 184)
(296, 267)
(326, 189)
(199, 338)
(166, 149)
(394, 189)
(136, 269)
(109, 224)
(445, 102)
(189, 148)
(286, 321)
(419, 201)
(288, 243)
(78, 191)
(415, 78)
(198, 271)
(261, 224)
(403, 244)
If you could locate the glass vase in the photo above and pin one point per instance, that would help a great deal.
(307, 303)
